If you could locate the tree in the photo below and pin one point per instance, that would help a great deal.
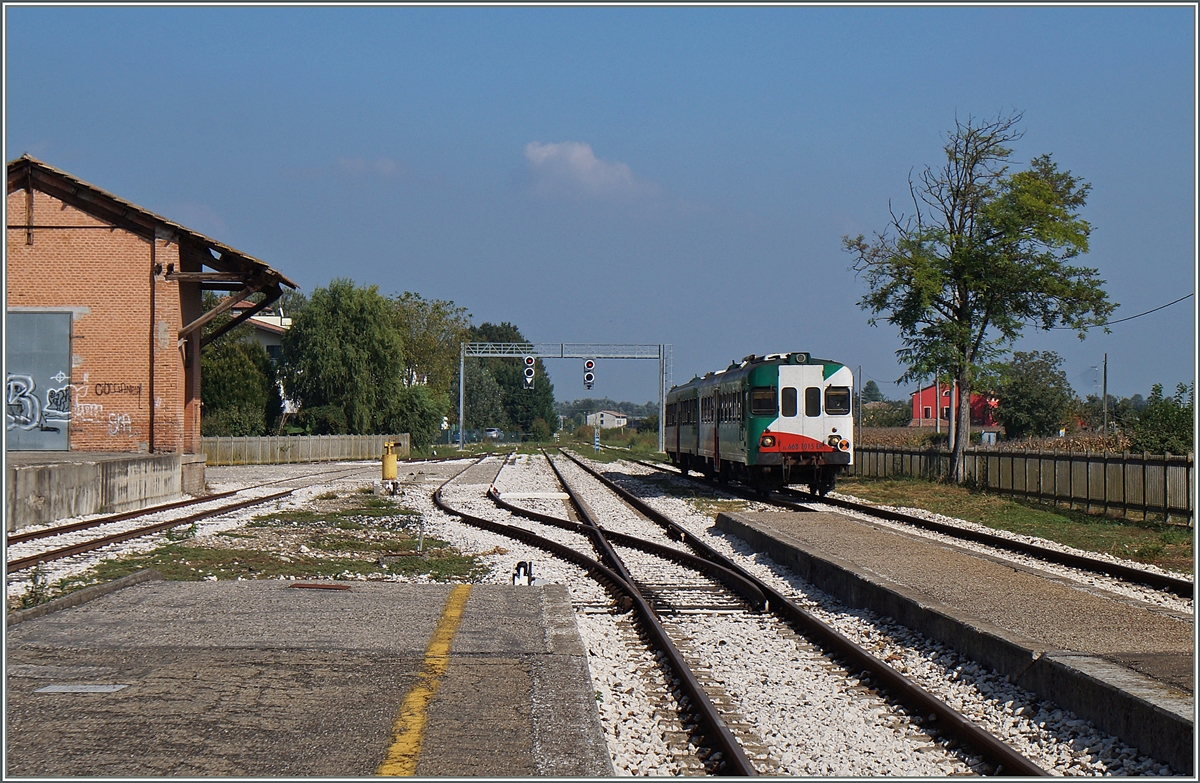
(342, 360)
(1034, 395)
(484, 399)
(871, 393)
(238, 392)
(432, 331)
(1166, 423)
(418, 411)
(521, 405)
(985, 254)
(893, 413)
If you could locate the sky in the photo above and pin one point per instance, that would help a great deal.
(678, 176)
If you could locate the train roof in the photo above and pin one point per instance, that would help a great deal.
(795, 357)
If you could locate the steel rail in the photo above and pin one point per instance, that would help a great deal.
(57, 530)
(992, 748)
(733, 759)
(731, 579)
(1180, 587)
(1173, 584)
(116, 538)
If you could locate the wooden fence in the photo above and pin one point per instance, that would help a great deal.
(272, 450)
(1095, 482)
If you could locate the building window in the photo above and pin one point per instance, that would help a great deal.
(928, 413)
(946, 412)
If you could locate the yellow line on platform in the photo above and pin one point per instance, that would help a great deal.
(408, 730)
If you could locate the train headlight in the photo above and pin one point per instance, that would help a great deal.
(833, 440)
(843, 445)
(767, 441)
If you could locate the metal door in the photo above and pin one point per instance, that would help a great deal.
(37, 391)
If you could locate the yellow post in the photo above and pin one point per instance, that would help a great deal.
(389, 461)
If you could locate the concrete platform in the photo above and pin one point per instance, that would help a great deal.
(257, 679)
(43, 486)
(1127, 667)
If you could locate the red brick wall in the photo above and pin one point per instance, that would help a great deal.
(104, 276)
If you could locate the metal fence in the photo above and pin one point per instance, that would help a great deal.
(272, 450)
(1095, 482)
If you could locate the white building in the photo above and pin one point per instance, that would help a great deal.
(606, 420)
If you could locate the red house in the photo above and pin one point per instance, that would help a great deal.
(934, 401)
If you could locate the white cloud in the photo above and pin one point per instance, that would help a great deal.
(571, 167)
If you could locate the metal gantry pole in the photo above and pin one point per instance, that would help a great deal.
(662, 395)
(462, 397)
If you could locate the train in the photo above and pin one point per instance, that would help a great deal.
(767, 421)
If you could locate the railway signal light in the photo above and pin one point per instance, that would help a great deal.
(589, 377)
(529, 360)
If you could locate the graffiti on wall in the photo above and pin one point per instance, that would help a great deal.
(22, 408)
(25, 409)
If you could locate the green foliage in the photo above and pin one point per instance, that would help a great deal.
(896, 413)
(649, 423)
(521, 406)
(985, 254)
(1166, 424)
(1035, 397)
(484, 401)
(343, 352)
(238, 388)
(432, 331)
(871, 392)
(1122, 412)
(418, 411)
(540, 430)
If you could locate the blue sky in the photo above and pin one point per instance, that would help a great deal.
(625, 175)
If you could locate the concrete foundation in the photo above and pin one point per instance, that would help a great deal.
(41, 487)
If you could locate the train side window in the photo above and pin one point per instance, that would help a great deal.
(812, 401)
(837, 400)
(762, 401)
(788, 401)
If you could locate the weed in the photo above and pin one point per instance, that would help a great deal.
(39, 590)
(174, 534)
(328, 496)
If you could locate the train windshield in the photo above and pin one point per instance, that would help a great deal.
(762, 401)
(837, 400)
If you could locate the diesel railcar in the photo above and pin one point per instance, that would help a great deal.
(767, 421)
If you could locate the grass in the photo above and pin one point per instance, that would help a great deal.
(343, 538)
(1156, 543)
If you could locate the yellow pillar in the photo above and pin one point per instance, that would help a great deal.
(389, 461)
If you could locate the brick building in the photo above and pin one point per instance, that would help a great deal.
(104, 319)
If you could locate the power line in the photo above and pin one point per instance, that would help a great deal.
(1130, 318)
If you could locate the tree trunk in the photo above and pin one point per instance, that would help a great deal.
(962, 427)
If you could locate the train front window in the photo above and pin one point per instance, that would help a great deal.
(788, 406)
(762, 401)
(812, 401)
(837, 400)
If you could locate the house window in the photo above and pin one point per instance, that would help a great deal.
(928, 413)
(946, 412)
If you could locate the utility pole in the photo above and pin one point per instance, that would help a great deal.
(860, 399)
(1104, 393)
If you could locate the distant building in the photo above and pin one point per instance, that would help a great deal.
(934, 401)
(607, 420)
(266, 328)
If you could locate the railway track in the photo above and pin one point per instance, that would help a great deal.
(126, 534)
(719, 587)
(794, 500)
